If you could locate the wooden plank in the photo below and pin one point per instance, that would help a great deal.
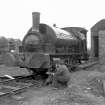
(1, 93)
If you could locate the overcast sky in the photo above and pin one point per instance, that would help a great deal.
(16, 15)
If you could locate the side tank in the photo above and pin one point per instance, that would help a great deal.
(57, 36)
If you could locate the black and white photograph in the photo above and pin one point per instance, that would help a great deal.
(52, 52)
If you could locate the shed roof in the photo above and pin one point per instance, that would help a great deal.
(100, 25)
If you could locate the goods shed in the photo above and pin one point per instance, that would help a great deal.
(98, 39)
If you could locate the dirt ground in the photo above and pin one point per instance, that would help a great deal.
(85, 88)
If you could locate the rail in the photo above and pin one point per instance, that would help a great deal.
(13, 86)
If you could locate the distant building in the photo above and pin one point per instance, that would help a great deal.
(14, 44)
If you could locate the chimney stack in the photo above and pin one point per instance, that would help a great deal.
(35, 21)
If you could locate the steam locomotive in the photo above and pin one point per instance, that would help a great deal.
(44, 44)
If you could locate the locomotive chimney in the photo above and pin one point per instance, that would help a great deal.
(35, 21)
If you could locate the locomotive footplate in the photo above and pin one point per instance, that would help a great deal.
(64, 54)
(69, 59)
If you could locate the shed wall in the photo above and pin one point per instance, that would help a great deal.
(102, 46)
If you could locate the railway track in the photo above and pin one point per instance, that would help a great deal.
(88, 64)
(13, 86)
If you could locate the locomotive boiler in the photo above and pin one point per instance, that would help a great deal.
(43, 44)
